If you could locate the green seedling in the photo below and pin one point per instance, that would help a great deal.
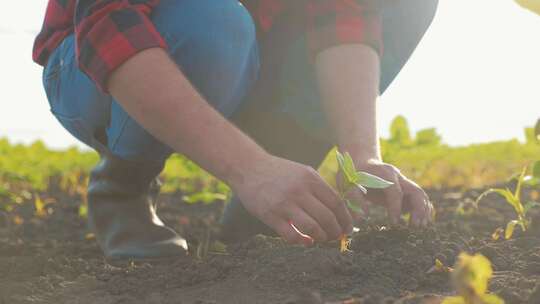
(470, 278)
(514, 199)
(353, 179)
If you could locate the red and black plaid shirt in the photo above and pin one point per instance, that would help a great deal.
(108, 32)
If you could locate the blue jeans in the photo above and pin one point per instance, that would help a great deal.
(215, 45)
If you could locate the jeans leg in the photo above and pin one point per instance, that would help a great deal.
(74, 99)
(214, 44)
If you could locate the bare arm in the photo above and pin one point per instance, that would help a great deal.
(349, 83)
(155, 93)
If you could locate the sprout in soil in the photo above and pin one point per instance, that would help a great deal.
(514, 199)
(470, 279)
(353, 179)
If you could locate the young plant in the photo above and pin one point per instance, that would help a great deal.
(353, 179)
(470, 279)
(514, 199)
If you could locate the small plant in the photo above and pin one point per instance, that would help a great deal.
(439, 267)
(470, 279)
(514, 199)
(355, 179)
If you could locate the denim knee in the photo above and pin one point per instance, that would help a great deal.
(214, 44)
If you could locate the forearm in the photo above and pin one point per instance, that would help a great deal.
(156, 94)
(348, 78)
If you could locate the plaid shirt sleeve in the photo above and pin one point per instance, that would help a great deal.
(326, 22)
(109, 32)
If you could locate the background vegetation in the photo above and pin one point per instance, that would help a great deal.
(28, 170)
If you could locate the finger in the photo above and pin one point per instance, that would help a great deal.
(329, 197)
(307, 225)
(287, 232)
(324, 217)
(394, 200)
(417, 202)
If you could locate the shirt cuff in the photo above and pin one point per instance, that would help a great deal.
(105, 45)
(350, 24)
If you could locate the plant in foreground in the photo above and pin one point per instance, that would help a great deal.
(514, 199)
(470, 279)
(353, 179)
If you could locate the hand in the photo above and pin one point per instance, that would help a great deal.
(295, 201)
(404, 196)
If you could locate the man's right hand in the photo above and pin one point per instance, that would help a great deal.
(280, 192)
(152, 89)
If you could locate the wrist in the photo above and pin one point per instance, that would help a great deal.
(362, 153)
(247, 169)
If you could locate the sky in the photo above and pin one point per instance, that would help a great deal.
(474, 76)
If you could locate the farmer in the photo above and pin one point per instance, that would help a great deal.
(255, 91)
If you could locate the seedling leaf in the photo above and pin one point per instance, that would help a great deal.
(509, 231)
(517, 194)
(371, 181)
(354, 207)
(362, 188)
(346, 164)
(472, 273)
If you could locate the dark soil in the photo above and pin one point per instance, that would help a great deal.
(52, 259)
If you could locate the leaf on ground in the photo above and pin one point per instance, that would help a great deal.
(439, 267)
(471, 274)
(496, 235)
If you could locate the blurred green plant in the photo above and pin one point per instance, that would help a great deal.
(28, 170)
(470, 278)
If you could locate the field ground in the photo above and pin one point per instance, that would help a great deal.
(47, 255)
(52, 259)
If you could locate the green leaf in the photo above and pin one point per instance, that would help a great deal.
(346, 164)
(508, 196)
(399, 132)
(354, 207)
(371, 181)
(510, 227)
(517, 194)
(536, 169)
(362, 188)
(491, 299)
(453, 300)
